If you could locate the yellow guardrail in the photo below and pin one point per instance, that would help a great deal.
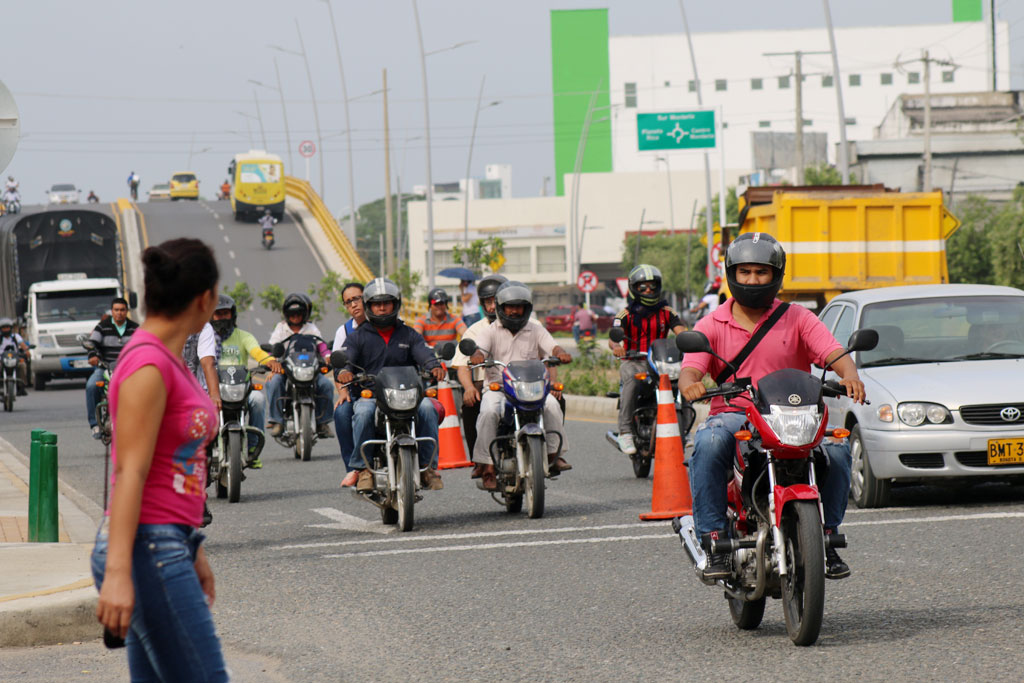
(304, 192)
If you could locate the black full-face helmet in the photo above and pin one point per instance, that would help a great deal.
(760, 248)
(645, 273)
(297, 302)
(377, 290)
(224, 328)
(487, 288)
(515, 293)
(438, 296)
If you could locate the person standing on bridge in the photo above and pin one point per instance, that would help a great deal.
(110, 335)
(155, 584)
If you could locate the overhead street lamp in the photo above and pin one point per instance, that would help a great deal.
(469, 161)
(248, 126)
(354, 211)
(426, 128)
(312, 95)
(259, 117)
(671, 210)
(284, 110)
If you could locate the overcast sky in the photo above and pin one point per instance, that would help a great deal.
(107, 86)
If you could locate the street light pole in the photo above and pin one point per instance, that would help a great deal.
(354, 211)
(426, 129)
(469, 161)
(284, 115)
(259, 117)
(671, 210)
(312, 95)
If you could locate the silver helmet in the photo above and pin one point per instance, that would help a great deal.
(377, 290)
(514, 292)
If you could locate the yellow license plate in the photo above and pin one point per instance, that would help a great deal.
(1006, 451)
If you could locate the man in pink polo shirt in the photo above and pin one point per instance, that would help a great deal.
(754, 266)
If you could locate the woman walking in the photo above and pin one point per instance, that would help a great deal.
(156, 586)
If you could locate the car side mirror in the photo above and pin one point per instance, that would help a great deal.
(863, 340)
(339, 359)
(468, 347)
(693, 342)
(446, 351)
(616, 334)
(133, 299)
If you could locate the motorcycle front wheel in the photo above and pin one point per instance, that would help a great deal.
(534, 476)
(304, 429)
(803, 587)
(234, 473)
(407, 470)
(641, 465)
(746, 614)
(10, 390)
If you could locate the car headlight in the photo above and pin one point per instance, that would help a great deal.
(46, 341)
(303, 373)
(794, 425)
(529, 391)
(233, 393)
(916, 414)
(401, 399)
(664, 367)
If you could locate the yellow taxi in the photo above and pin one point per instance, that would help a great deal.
(184, 185)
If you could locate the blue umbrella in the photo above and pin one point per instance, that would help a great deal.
(459, 273)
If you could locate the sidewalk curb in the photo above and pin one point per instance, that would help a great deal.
(590, 406)
(61, 617)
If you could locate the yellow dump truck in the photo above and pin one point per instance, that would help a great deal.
(851, 237)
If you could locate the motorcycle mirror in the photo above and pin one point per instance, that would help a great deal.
(467, 347)
(863, 340)
(278, 350)
(616, 334)
(133, 299)
(692, 341)
(88, 344)
(339, 359)
(446, 351)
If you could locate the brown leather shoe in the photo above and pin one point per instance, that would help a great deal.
(488, 480)
(478, 470)
(431, 480)
(558, 464)
(365, 481)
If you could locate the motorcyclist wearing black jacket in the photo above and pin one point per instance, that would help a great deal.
(110, 335)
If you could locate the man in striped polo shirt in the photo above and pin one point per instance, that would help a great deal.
(438, 325)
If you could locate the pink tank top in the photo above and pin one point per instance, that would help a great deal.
(175, 488)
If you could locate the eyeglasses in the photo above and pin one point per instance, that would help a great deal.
(353, 300)
(646, 287)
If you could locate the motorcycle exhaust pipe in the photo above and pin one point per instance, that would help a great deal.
(684, 527)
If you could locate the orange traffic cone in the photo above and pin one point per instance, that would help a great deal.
(449, 433)
(671, 496)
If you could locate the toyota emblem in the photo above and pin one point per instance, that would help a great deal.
(1010, 414)
(794, 399)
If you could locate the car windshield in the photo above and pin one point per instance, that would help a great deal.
(58, 306)
(560, 310)
(162, 186)
(183, 177)
(946, 329)
(62, 188)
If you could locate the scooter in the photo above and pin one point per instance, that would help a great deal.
(232, 442)
(12, 205)
(268, 238)
(662, 358)
(519, 451)
(776, 521)
(392, 457)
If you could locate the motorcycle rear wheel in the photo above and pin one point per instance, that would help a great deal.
(803, 587)
(234, 469)
(533, 478)
(641, 465)
(406, 463)
(746, 614)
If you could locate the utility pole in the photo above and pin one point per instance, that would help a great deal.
(259, 117)
(926, 183)
(799, 90)
(992, 33)
(844, 152)
(388, 210)
(284, 115)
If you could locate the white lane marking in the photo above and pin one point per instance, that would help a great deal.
(259, 322)
(492, 546)
(939, 518)
(220, 225)
(214, 213)
(238, 273)
(227, 239)
(468, 534)
(349, 522)
(231, 253)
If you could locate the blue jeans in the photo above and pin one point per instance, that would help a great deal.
(471, 318)
(91, 391)
(343, 427)
(257, 403)
(714, 448)
(323, 395)
(172, 637)
(426, 425)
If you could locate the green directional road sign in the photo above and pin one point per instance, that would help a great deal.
(676, 130)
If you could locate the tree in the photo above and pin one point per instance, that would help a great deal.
(732, 210)
(668, 253)
(1006, 239)
(242, 295)
(371, 225)
(488, 252)
(825, 174)
(408, 281)
(968, 254)
(272, 297)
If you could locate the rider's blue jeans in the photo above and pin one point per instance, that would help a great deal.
(172, 636)
(714, 448)
(426, 425)
(91, 394)
(343, 427)
(323, 396)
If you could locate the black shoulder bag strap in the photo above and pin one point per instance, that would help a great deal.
(754, 341)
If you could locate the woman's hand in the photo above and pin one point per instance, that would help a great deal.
(205, 574)
(116, 602)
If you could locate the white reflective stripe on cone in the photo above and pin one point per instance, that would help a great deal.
(667, 430)
(665, 397)
(453, 421)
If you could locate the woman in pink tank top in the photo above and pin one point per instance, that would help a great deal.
(156, 585)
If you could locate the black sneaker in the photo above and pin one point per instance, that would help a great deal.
(717, 567)
(207, 515)
(835, 568)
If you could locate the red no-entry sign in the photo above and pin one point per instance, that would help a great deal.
(586, 282)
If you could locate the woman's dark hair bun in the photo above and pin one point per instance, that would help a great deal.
(160, 263)
(176, 272)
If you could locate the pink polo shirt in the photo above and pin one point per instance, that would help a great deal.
(797, 340)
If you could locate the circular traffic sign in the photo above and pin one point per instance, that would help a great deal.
(307, 148)
(587, 281)
(10, 126)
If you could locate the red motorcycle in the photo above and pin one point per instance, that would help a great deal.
(777, 542)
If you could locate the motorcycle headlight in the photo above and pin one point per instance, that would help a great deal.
(10, 361)
(402, 399)
(303, 373)
(529, 391)
(664, 367)
(916, 414)
(796, 425)
(232, 393)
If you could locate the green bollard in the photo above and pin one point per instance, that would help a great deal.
(33, 485)
(49, 525)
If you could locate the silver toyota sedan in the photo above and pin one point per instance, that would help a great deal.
(946, 385)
